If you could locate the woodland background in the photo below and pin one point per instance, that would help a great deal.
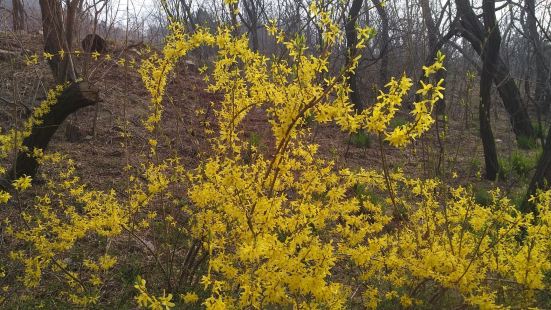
(492, 129)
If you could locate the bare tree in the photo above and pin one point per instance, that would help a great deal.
(384, 41)
(18, 15)
(351, 42)
(490, 53)
(542, 175)
(472, 30)
(180, 10)
(57, 37)
(542, 91)
(253, 10)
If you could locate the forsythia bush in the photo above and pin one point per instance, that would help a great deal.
(285, 228)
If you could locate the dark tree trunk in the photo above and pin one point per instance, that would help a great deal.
(510, 95)
(188, 15)
(434, 46)
(542, 90)
(18, 15)
(432, 31)
(70, 22)
(73, 98)
(252, 11)
(472, 30)
(55, 39)
(489, 56)
(384, 42)
(52, 26)
(351, 42)
(542, 176)
(233, 7)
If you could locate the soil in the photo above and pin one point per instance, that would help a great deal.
(102, 147)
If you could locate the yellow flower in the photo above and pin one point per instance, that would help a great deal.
(48, 56)
(190, 298)
(22, 183)
(365, 33)
(4, 197)
(398, 137)
(107, 262)
(32, 60)
(425, 88)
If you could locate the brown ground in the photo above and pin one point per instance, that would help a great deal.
(100, 155)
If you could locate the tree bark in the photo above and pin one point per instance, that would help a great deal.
(490, 52)
(542, 90)
(75, 97)
(351, 42)
(188, 15)
(252, 11)
(434, 45)
(473, 31)
(541, 178)
(55, 39)
(18, 15)
(542, 175)
(384, 42)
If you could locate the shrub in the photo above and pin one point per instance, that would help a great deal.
(519, 164)
(288, 228)
(482, 196)
(527, 143)
(360, 139)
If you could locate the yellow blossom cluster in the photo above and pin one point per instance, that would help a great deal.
(67, 213)
(378, 117)
(286, 227)
(146, 300)
(13, 138)
(34, 59)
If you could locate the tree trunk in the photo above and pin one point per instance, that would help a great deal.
(473, 31)
(351, 42)
(542, 90)
(18, 15)
(432, 35)
(73, 98)
(434, 46)
(55, 39)
(233, 7)
(489, 56)
(486, 134)
(384, 42)
(252, 12)
(190, 21)
(542, 176)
